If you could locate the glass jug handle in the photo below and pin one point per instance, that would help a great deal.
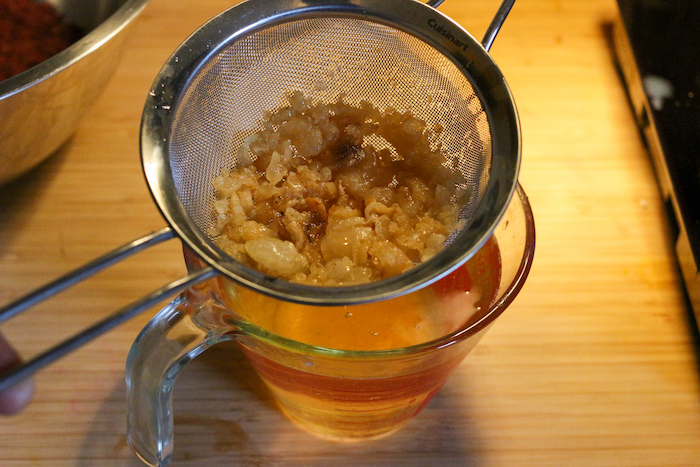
(169, 341)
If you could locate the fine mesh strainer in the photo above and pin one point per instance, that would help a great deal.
(214, 90)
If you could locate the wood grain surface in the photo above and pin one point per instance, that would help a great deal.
(595, 363)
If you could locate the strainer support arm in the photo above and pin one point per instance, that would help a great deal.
(17, 373)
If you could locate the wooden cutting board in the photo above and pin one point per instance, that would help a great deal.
(595, 363)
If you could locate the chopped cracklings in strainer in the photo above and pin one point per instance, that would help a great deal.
(336, 194)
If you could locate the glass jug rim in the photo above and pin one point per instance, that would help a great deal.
(244, 327)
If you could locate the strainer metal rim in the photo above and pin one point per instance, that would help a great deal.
(417, 19)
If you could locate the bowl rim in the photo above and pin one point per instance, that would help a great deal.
(92, 41)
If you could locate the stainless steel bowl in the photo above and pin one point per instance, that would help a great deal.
(41, 107)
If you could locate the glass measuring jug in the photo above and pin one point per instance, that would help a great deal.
(331, 382)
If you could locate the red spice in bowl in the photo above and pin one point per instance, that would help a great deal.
(29, 34)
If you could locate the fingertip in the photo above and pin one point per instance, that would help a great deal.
(17, 397)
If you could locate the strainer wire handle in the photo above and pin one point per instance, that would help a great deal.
(83, 272)
(496, 22)
(17, 373)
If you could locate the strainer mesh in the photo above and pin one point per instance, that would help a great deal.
(323, 58)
